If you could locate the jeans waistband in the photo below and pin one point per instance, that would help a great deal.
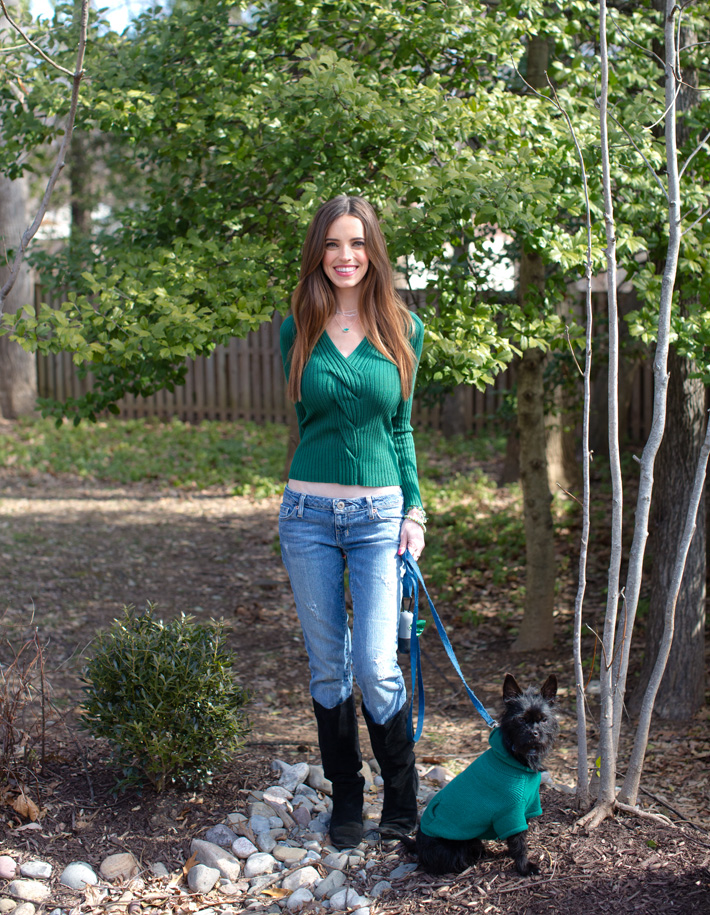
(324, 503)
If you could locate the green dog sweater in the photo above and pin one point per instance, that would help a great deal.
(492, 799)
(355, 427)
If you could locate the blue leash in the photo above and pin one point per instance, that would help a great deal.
(410, 587)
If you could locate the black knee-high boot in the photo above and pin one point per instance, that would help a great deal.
(394, 751)
(340, 754)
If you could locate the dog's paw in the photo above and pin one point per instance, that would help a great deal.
(527, 868)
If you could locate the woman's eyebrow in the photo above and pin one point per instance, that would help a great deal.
(355, 238)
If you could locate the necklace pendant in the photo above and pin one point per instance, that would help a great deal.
(346, 330)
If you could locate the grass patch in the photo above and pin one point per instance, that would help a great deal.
(245, 456)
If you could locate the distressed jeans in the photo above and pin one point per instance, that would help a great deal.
(319, 538)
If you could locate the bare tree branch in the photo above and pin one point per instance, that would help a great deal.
(26, 38)
(641, 153)
(77, 77)
(701, 145)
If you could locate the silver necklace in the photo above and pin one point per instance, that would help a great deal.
(346, 330)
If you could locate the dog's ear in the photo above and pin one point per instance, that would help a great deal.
(548, 690)
(511, 690)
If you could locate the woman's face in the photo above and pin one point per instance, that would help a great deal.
(345, 260)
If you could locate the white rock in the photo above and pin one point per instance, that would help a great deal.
(347, 898)
(439, 774)
(242, 847)
(338, 860)
(8, 905)
(260, 809)
(306, 791)
(288, 854)
(367, 774)
(77, 875)
(282, 812)
(8, 868)
(277, 793)
(260, 863)
(38, 869)
(259, 824)
(382, 886)
(299, 899)
(330, 884)
(29, 890)
(317, 780)
(302, 800)
(293, 776)
(302, 816)
(257, 883)
(24, 908)
(201, 878)
(121, 866)
(234, 818)
(402, 870)
(159, 869)
(304, 876)
(266, 842)
(213, 856)
(220, 835)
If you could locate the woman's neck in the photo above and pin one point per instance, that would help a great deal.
(347, 300)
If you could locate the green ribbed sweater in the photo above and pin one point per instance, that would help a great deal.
(355, 428)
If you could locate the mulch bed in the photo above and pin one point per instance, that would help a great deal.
(74, 552)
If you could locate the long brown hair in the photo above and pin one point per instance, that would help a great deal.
(384, 316)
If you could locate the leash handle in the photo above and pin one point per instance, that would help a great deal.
(412, 579)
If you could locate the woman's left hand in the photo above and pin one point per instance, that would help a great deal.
(411, 538)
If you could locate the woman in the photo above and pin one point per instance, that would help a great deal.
(350, 352)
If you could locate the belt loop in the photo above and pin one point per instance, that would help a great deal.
(370, 509)
(301, 503)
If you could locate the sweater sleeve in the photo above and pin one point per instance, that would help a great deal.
(402, 430)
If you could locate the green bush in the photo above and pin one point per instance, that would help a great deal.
(165, 697)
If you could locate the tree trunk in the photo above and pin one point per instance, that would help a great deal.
(536, 631)
(536, 628)
(18, 372)
(682, 690)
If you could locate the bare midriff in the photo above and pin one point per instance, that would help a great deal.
(338, 491)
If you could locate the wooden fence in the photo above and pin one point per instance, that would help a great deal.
(244, 381)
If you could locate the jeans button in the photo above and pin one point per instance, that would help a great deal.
(340, 506)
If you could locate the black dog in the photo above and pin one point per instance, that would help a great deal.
(498, 793)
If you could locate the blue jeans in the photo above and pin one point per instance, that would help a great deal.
(319, 537)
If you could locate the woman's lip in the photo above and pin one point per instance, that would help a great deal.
(345, 269)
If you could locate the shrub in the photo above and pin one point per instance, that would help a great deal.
(165, 697)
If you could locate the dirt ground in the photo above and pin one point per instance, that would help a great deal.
(74, 553)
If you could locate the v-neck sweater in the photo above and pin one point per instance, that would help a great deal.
(355, 427)
(492, 799)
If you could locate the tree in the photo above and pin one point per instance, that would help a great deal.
(682, 689)
(622, 603)
(18, 376)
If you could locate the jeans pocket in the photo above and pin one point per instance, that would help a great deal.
(387, 513)
(287, 511)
